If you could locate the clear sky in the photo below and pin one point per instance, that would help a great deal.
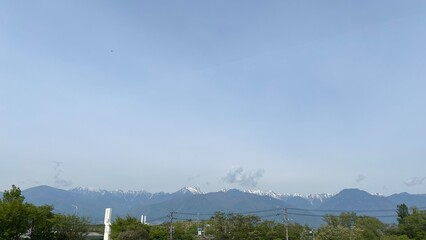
(291, 96)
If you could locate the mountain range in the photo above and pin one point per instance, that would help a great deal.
(191, 203)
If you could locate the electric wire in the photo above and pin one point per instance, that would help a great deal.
(290, 212)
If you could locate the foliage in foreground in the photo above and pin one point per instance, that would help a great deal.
(348, 226)
(21, 220)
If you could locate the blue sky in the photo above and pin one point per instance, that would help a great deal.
(291, 96)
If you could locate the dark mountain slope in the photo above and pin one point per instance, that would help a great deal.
(411, 200)
(193, 204)
(362, 203)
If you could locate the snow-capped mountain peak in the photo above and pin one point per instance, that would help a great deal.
(191, 189)
(285, 196)
(195, 190)
(268, 193)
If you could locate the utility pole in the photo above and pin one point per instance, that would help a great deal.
(286, 223)
(107, 222)
(171, 225)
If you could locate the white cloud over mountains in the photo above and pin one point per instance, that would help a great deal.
(414, 181)
(243, 178)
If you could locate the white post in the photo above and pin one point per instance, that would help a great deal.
(107, 222)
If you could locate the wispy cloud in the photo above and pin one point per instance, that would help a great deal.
(243, 178)
(360, 178)
(414, 181)
(57, 178)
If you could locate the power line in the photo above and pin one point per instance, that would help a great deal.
(159, 218)
(271, 215)
(289, 212)
(352, 210)
(195, 214)
(261, 211)
(341, 210)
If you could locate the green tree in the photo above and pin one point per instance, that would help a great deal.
(395, 237)
(220, 227)
(329, 232)
(414, 225)
(186, 229)
(243, 227)
(129, 228)
(297, 231)
(40, 222)
(233, 226)
(348, 219)
(13, 215)
(371, 228)
(19, 219)
(349, 226)
(158, 232)
(402, 211)
(13, 195)
(270, 230)
(70, 227)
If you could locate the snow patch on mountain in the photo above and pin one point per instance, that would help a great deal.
(319, 197)
(131, 195)
(89, 191)
(376, 194)
(121, 194)
(285, 196)
(268, 193)
(192, 190)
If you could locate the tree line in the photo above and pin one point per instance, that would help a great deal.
(22, 220)
(345, 226)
